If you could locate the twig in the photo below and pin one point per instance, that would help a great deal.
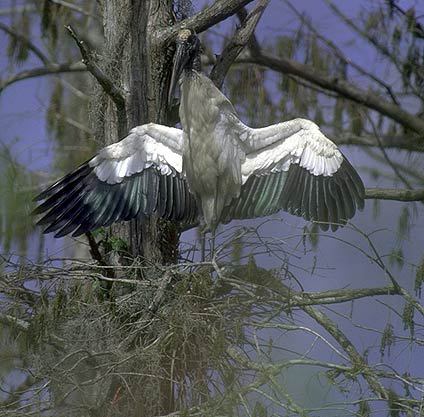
(409, 169)
(358, 362)
(50, 69)
(386, 156)
(115, 93)
(342, 296)
(97, 256)
(94, 249)
(237, 43)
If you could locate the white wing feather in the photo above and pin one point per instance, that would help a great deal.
(299, 141)
(145, 146)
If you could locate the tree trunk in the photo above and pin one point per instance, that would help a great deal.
(140, 66)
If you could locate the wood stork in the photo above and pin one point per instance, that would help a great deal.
(215, 167)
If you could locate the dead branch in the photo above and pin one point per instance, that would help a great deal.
(394, 194)
(50, 69)
(114, 92)
(237, 43)
(346, 89)
(210, 16)
(388, 141)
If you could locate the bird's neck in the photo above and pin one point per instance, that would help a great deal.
(193, 64)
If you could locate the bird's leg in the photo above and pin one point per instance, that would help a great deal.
(212, 243)
(203, 230)
(202, 245)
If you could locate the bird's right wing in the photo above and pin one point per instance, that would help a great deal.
(292, 166)
(140, 175)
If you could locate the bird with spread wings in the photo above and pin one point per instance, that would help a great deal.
(215, 168)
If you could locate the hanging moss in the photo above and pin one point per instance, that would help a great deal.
(387, 339)
(408, 318)
(419, 278)
(404, 223)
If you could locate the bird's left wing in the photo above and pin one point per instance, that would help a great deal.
(140, 175)
(292, 166)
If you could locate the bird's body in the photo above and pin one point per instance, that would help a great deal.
(212, 155)
(216, 167)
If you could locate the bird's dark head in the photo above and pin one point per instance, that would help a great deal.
(186, 54)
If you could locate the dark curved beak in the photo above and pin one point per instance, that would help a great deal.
(180, 60)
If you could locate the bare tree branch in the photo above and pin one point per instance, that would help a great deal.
(342, 296)
(253, 42)
(50, 69)
(115, 93)
(388, 141)
(237, 43)
(394, 194)
(367, 98)
(210, 16)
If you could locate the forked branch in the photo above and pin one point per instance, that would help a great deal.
(237, 43)
(114, 92)
(210, 16)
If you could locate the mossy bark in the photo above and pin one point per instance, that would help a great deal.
(140, 65)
